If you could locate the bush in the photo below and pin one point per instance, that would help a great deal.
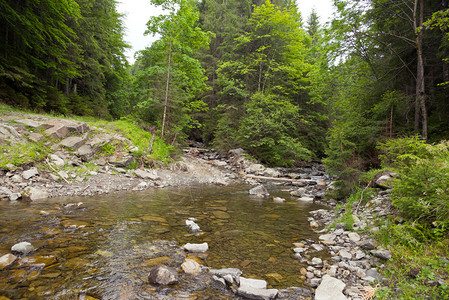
(422, 192)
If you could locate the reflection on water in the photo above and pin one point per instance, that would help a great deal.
(106, 247)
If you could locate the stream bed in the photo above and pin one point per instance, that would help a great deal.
(104, 247)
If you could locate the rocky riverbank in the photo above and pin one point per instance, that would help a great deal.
(79, 164)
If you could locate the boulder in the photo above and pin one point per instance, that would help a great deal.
(257, 169)
(163, 275)
(368, 245)
(57, 132)
(259, 190)
(146, 175)
(22, 247)
(7, 260)
(299, 192)
(254, 293)
(56, 160)
(191, 267)
(383, 254)
(73, 142)
(30, 173)
(86, 152)
(196, 248)
(330, 288)
(33, 194)
(5, 193)
(252, 283)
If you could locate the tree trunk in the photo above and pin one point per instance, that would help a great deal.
(420, 87)
(166, 91)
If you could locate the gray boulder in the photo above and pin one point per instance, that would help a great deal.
(259, 190)
(30, 173)
(86, 152)
(163, 275)
(330, 288)
(146, 175)
(33, 194)
(73, 142)
(383, 254)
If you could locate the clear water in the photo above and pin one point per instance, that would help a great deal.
(128, 233)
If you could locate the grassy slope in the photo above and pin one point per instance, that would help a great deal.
(31, 152)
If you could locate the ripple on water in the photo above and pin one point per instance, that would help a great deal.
(106, 249)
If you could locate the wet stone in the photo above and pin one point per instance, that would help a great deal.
(196, 248)
(191, 267)
(74, 224)
(23, 248)
(37, 261)
(163, 275)
(7, 260)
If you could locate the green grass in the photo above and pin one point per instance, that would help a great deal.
(21, 153)
(30, 152)
(417, 272)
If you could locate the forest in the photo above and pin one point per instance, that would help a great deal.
(252, 74)
(366, 91)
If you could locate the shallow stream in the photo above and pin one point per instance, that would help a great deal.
(105, 247)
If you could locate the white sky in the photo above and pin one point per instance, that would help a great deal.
(137, 13)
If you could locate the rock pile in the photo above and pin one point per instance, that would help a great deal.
(354, 257)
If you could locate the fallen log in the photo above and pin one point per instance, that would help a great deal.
(276, 178)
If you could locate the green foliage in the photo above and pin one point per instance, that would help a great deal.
(266, 130)
(421, 193)
(169, 79)
(107, 149)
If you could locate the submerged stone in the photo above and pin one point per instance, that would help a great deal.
(163, 275)
(7, 260)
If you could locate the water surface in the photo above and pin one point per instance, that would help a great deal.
(128, 233)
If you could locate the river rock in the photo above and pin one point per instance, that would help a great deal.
(191, 267)
(33, 194)
(30, 173)
(327, 237)
(252, 283)
(254, 293)
(344, 254)
(316, 261)
(298, 193)
(235, 273)
(330, 288)
(383, 254)
(195, 228)
(7, 260)
(196, 248)
(259, 190)
(56, 160)
(257, 169)
(163, 275)
(368, 245)
(22, 247)
(354, 237)
(146, 175)
(39, 262)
